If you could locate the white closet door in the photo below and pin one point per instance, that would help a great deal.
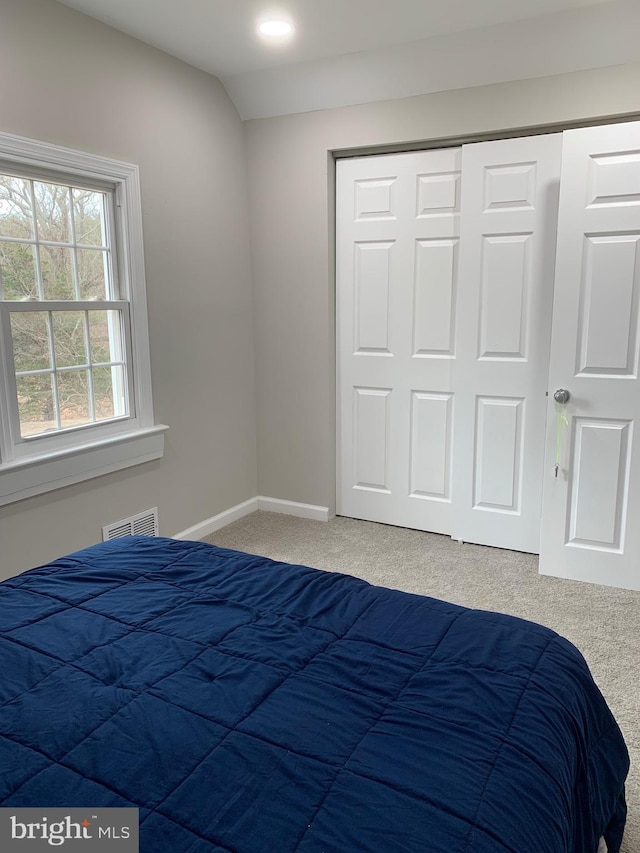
(591, 513)
(397, 247)
(505, 294)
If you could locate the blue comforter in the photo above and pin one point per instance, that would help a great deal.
(245, 705)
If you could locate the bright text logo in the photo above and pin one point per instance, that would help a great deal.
(80, 830)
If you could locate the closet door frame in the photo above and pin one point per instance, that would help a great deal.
(489, 136)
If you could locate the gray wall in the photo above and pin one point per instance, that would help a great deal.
(290, 176)
(67, 79)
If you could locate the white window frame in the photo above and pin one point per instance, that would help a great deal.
(41, 464)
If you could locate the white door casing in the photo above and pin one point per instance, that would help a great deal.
(396, 254)
(505, 292)
(591, 511)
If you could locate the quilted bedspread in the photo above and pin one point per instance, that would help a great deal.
(245, 705)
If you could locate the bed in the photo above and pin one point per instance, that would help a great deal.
(245, 705)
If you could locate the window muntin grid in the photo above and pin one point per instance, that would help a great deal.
(79, 376)
(55, 240)
(68, 331)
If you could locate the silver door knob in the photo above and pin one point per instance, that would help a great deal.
(561, 396)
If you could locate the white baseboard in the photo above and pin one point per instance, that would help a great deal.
(316, 513)
(210, 525)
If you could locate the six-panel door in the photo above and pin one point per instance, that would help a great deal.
(398, 221)
(591, 515)
(505, 291)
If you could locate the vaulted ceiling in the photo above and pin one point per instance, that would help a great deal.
(356, 51)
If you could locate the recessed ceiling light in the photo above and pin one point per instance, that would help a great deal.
(275, 28)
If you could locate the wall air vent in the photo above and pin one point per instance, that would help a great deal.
(143, 524)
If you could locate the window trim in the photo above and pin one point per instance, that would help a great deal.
(100, 448)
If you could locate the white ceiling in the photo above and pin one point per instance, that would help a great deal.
(355, 51)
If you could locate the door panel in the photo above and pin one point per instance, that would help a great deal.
(498, 454)
(504, 296)
(435, 298)
(598, 483)
(608, 323)
(371, 451)
(397, 250)
(373, 268)
(590, 527)
(431, 429)
(505, 290)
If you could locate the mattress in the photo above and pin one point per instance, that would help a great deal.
(246, 705)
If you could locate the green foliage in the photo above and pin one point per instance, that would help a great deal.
(18, 270)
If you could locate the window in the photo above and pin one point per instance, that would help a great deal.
(67, 330)
(75, 395)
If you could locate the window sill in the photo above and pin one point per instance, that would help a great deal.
(26, 478)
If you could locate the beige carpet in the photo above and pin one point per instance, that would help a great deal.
(604, 623)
